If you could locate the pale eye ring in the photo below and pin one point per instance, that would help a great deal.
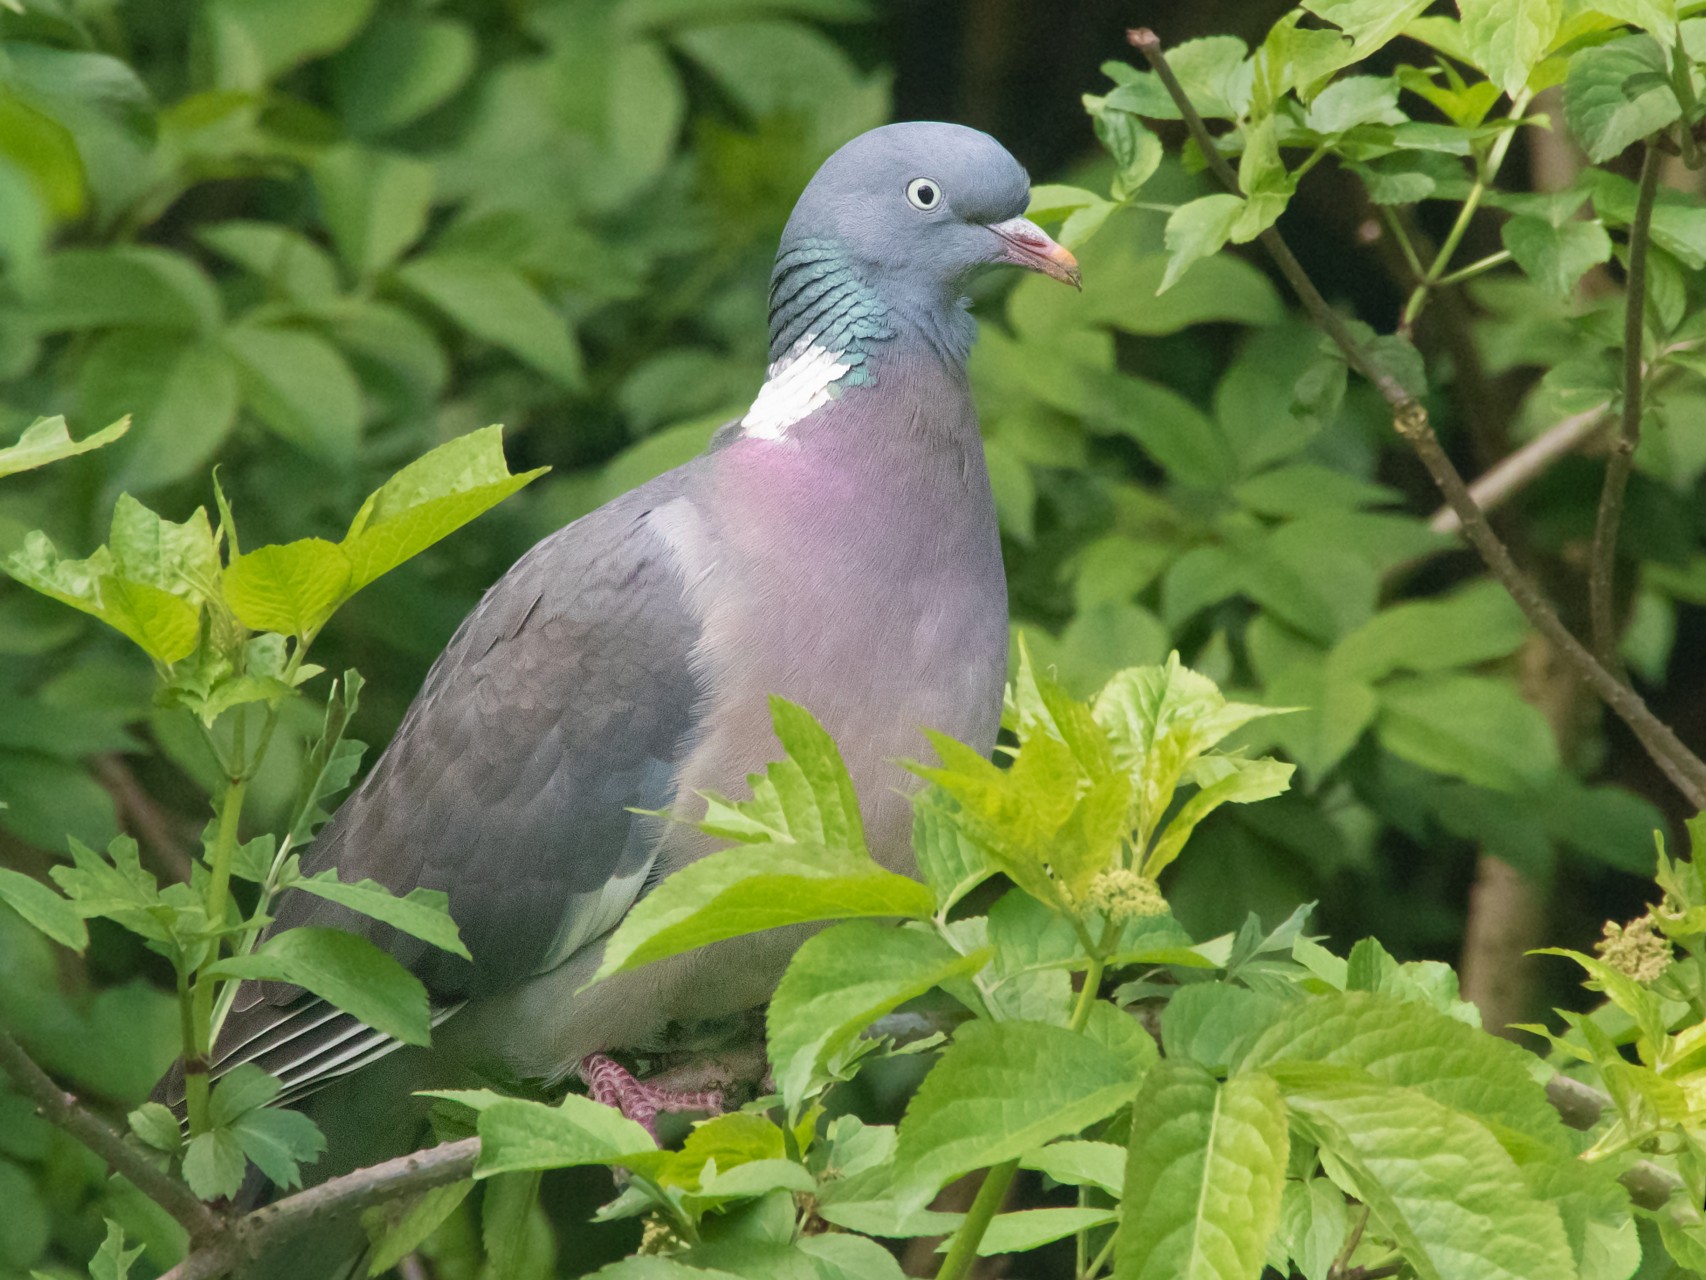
(924, 193)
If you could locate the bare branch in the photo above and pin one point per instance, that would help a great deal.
(63, 1110)
(1508, 477)
(249, 1236)
(1602, 563)
(1685, 769)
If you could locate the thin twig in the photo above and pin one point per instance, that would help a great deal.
(66, 1112)
(1508, 477)
(1685, 769)
(1602, 563)
(252, 1234)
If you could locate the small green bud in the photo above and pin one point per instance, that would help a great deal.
(1124, 895)
(1636, 949)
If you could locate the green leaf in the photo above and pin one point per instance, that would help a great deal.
(255, 40)
(495, 303)
(1509, 37)
(291, 588)
(1081, 1164)
(1032, 1228)
(112, 1261)
(1136, 151)
(154, 1123)
(1314, 1224)
(1371, 24)
(181, 390)
(754, 888)
(1555, 256)
(950, 862)
(375, 204)
(1224, 780)
(395, 1237)
(117, 887)
(1198, 229)
(346, 970)
(1468, 727)
(400, 67)
(285, 259)
(842, 980)
(1206, 1170)
(806, 797)
(214, 1164)
(300, 387)
(43, 908)
(1004, 1088)
(1354, 100)
(47, 440)
(427, 500)
(516, 1134)
(126, 285)
(1618, 93)
(166, 627)
(1476, 624)
(1405, 1044)
(1435, 1181)
(420, 913)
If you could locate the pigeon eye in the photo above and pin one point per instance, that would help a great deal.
(924, 194)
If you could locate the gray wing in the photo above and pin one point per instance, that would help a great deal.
(565, 699)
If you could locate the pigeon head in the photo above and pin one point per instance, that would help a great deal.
(885, 235)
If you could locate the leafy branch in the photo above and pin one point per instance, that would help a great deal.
(1410, 418)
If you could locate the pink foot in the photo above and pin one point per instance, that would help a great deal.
(609, 1082)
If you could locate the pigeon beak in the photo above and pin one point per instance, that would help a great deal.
(1028, 245)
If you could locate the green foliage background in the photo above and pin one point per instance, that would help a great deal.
(308, 240)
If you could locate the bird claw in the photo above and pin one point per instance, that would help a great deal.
(609, 1082)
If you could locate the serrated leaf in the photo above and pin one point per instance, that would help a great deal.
(1406, 1044)
(279, 1141)
(163, 625)
(1354, 100)
(420, 913)
(240, 1091)
(754, 888)
(154, 1123)
(950, 862)
(806, 797)
(291, 588)
(48, 440)
(842, 980)
(516, 1134)
(1618, 93)
(1555, 257)
(1455, 1202)
(1196, 230)
(1002, 1089)
(43, 908)
(427, 500)
(346, 970)
(1081, 1164)
(214, 1164)
(1203, 1183)
(1507, 38)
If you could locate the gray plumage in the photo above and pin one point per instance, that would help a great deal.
(838, 546)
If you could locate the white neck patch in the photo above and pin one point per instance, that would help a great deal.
(798, 384)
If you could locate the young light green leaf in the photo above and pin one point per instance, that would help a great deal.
(1196, 230)
(163, 625)
(950, 862)
(345, 969)
(116, 887)
(48, 440)
(842, 980)
(1222, 780)
(420, 913)
(1508, 37)
(291, 588)
(1030, 1229)
(1004, 1088)
(1314, 1224)
(753, 888)
(1354, 100)
(1617, 93)
(1466, 1213)
(516, 1134)
(1370, 24)
(43, 908)
(427, 500)
(806, 797)
(1203, 1183)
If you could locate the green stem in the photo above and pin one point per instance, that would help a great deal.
(1476, 268)
(1602, 558)
(1483, 182)
(1101, 1258)
(218, 895)
(1402, 238)
(963, 1252)
(195, 1065)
